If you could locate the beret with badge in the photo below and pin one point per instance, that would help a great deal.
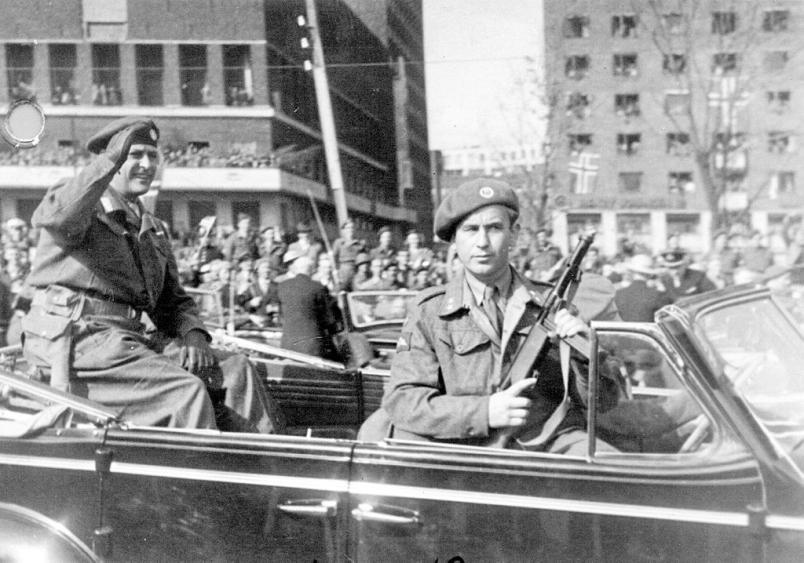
(468, 198)
(146, 133)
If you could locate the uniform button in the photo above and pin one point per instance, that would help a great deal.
(459, 347)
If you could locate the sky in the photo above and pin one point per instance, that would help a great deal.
(474, 52)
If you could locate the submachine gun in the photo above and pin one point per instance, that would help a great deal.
(532, 352)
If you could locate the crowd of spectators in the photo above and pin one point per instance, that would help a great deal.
(243, 265)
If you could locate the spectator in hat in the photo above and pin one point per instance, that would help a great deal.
(639, 300)
(384, 250)
(345, 250)
(305, 243)
(418, 256)
(310, 315)
(375, 280)
(679, 279)
(102, 262)
(271, 248)
(242, 242)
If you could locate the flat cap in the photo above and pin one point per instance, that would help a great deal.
(468, 198)
(97, 143)
(291, 254)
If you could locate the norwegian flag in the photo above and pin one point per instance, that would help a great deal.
(583, 173)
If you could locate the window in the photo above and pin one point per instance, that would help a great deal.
(730, 154)
(63, 61)
(674, 63)
(19, 70)
(625, 64)
(576, 27)
(782, 182)
(628, 143)
(775, 61)
(578, 105)
(629, 182)
(577, 66)
(678, 144)
(624, 26)
(579, 141)
(106, 74)
(776, 20)
(680, 182)
(724, 23)
(653, 384)
(673, 23)
(779, 100)
(626, 105)
(237, 76)
(193, 75)
(781, 142)
(676, 102)
(724, 63)
(150, 71)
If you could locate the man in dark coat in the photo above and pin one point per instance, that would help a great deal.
(638, 301)
(310, 315)
(680, 280)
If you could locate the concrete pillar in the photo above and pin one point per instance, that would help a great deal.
(128, 74)
(759, 221)
(41, 72)
(706, 231)
(269, 211)
(215, 74)
(259, 73)
(606, 240)
(171, 82)
(658, 226)
(560, 228)
(83, 72)
(181, 215)
(3, 75)
(223, 211)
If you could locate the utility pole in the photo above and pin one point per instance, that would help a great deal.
(325, 114)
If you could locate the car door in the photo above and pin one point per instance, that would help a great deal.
(648, 502)
(208, 496)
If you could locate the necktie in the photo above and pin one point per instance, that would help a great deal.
(491, 309)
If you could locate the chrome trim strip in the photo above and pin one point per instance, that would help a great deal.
(545, 503)
(48, 462)
(785, 523)
(262, 479)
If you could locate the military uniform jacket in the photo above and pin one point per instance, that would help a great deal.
(449, 361)
(86, 248)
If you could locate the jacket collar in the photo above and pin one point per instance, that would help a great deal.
(455, 299)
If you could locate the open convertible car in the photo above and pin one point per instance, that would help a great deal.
(722, 482)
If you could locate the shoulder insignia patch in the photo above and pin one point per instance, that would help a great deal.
(403, 344)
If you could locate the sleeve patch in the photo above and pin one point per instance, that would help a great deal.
(403, 344)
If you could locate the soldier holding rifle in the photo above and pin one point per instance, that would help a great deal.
(450, 377)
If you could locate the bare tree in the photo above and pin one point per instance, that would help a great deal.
(709, 49)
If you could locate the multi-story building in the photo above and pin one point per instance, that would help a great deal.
(671, 115)
(226, 83)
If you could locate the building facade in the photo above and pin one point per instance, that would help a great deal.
(226, 83)
(670, 115)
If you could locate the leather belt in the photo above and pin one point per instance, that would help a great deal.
(93, 306)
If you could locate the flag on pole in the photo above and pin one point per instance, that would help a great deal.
(583, 173)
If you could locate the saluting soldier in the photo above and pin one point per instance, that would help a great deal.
(449, 378)
(101, 262)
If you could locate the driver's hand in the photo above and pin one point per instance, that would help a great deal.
(196, 354)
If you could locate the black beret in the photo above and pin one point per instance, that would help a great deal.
(97, 143)
(468, 198)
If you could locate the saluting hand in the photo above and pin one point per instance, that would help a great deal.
(196, 355)
(507, 408)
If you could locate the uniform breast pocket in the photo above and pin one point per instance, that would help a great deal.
(468, 362)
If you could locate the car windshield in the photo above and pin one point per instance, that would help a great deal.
(763, 355)
(372, 308)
